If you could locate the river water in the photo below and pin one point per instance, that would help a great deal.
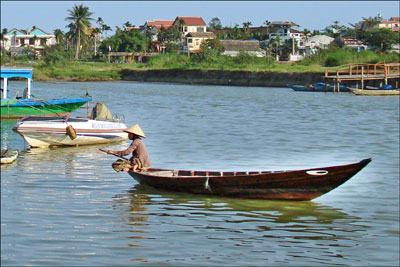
(67, 206)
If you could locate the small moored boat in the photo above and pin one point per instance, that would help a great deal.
(319, 87)
(375, 92)
(8, 156)
(72, 131)
(304, 184)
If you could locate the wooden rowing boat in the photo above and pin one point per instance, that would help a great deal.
(8, 156)
(303, 184)
(376, 92)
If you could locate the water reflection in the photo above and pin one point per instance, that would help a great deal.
(275, 211)
(153, 214)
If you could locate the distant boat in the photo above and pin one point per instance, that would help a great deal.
(70, 131)
(8, 156)
(16, 106)
(304, 184)
(318, 87)
(375, 92)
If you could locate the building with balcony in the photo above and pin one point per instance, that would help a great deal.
(16, 40)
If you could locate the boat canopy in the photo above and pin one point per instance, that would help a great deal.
(7, 73)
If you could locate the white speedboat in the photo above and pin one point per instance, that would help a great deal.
(66, 131)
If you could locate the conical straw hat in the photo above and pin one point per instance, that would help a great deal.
(135, 129)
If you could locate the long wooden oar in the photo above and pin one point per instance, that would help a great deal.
(106, 151)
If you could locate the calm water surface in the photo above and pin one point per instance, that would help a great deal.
(66, 206)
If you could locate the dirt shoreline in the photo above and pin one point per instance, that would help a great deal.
(218, 77)
(210, 77)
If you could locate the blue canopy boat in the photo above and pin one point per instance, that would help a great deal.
(18, 107)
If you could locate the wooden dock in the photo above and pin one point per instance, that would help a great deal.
(360, 73)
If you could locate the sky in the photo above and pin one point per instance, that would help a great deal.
(311, 15)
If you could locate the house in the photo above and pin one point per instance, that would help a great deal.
(194, 32)
(284, 30)
(35, 38)
(393, 24)
(154, 26)
(195, 39)
(314, 43)
(378, 22)
(190, 24)
(234, 47)
(351, 42)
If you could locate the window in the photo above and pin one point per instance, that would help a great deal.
(200, 29)
(197, 41)
(190, 41)
(185, 29)
(31, 41)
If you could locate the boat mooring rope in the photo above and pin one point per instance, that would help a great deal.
(35, 107)
(207, 185)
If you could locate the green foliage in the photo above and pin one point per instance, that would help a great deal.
(209, 52)
(55, 54)
(171, 48)
(337, 57)
(125, 41)
(214, 24)
(243, 58)
(381, 39)
(172, 34)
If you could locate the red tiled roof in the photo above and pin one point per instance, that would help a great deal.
(160, 23)
(191, 21)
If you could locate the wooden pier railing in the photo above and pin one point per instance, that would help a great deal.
(363, 72)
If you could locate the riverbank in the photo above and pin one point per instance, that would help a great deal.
(85, 72)
(219, 77)
(256, 73)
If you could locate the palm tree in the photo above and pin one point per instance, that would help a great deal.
(127, 25)
(59, 35)
(94, 35)
(79, 15)
(105, 28)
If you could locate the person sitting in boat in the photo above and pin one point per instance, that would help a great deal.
(140, 158)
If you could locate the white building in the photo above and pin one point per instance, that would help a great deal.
(36, 38)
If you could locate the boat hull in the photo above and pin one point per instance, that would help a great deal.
(9, 156)
(329, 88)
(52, 131)
(285, 185)
(14, 108)
(376, 92)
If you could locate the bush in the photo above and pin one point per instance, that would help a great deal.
(243, 58)
(55, 54)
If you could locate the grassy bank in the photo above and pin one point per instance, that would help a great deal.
(103, 71)
(99, 71)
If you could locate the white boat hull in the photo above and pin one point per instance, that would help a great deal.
(41, 132)
(9, 157)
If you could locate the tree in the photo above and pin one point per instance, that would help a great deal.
(128, 25)
(59, 34)
(125, 41)
(79, 15)
(381, 39)
(105, 28)
(94, 35)
(214, 24)
(3, 33)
